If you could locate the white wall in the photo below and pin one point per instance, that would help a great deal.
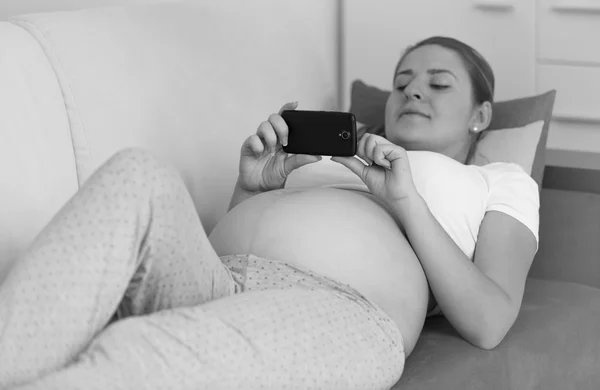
(327, 9)
(10, 8)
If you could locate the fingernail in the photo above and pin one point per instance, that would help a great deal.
(285, 141)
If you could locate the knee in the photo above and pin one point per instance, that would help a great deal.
(133, 158)
(140, 165)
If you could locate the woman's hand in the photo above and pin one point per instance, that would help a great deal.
(388, 175)
(264, 166)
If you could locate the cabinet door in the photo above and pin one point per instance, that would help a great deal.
(375, 33)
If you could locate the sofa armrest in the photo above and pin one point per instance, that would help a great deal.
(37, 165)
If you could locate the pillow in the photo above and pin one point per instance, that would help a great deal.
(517, 133)
(516, 144)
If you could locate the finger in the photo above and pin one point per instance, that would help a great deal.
(253, 146)
(267, 134)
(352, 164)
(370, 144)
(288, 106)
(296, 161)
(366, 148)
(396, 156)
(280, 127)
(380, 154)
(361, 151)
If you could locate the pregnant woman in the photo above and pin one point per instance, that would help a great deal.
(306, 288)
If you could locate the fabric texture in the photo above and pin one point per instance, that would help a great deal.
(123, 290)
(368, 105)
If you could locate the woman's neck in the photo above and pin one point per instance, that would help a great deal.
(461, 153)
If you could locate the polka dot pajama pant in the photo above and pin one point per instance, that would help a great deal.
(122, 290)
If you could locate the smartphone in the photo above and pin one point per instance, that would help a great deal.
(322, 133)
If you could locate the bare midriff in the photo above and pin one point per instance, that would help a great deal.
(343, 234)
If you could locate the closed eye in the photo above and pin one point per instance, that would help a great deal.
(433, 86)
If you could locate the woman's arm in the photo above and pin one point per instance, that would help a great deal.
(481, 299)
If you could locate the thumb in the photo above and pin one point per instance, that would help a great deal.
(296, 161)
(352, 164)
(288, 106)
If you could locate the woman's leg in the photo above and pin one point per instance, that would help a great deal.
(129, 241)
(295, 338)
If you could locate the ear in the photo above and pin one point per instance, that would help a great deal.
(482, 116)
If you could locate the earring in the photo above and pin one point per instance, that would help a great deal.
(475, 129)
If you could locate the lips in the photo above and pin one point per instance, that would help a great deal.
(413, 112)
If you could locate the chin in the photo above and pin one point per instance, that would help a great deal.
(408, 143)
(406, 134)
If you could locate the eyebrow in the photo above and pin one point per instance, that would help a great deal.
(430, 71)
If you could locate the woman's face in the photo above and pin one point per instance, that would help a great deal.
(431, 105)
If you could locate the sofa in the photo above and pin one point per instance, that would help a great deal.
(190, 81)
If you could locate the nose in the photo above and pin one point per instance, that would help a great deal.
(413, 91)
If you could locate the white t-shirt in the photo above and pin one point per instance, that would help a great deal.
(459, 195)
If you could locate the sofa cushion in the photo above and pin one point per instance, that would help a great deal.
(553, 345)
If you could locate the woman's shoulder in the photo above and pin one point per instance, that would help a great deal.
(512, 191)
(503, 167)
(505, 172)
(508, 181)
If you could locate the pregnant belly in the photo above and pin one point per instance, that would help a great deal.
(345, 235)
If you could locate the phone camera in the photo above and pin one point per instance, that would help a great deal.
(345, 135)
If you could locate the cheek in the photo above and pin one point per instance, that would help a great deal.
(452, 112)
(392, 106)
